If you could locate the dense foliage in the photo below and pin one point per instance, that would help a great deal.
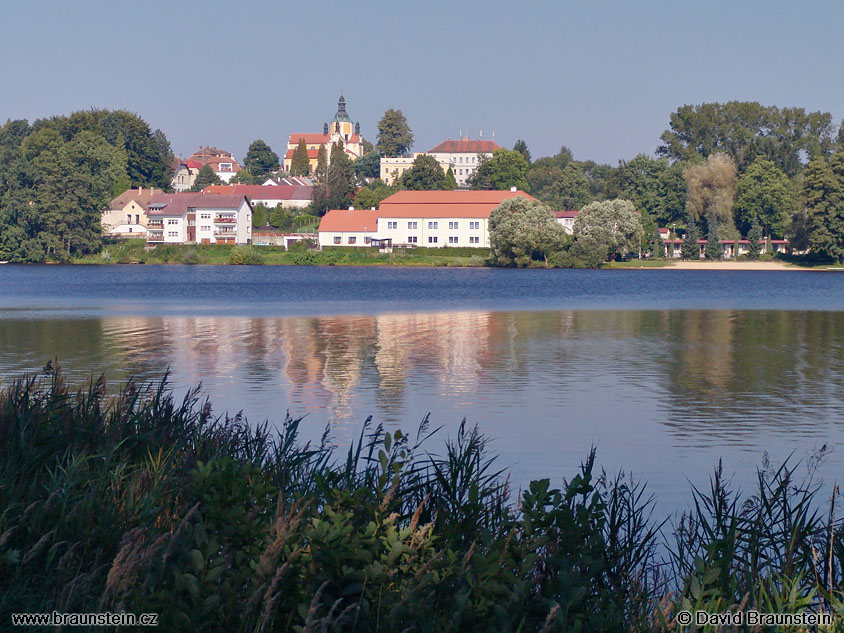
(58, 174)
(425, 174)
(522, 231)
(142, 503)
(260, 160)
(394, 135)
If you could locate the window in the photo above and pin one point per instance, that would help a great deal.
(432, 225)
(172, 222)
(193, 210)
(454, 225)
(367, 240)
(432, 239)
(353, 240)
(412, 225)
(172, 234)
(474, 240)
(137, 219)
(474, 225)
(412, 239)
(392, 225)
(452, 240)
(203, 216)
(337, 239)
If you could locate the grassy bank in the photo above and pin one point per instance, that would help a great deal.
(134, 251)
(141, 503)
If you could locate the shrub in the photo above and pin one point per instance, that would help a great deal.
(245, 255)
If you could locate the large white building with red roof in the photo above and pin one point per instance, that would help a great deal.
(463, 155)
(418, 218)
(341, 129)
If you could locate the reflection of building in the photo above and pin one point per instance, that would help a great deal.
(340, 130)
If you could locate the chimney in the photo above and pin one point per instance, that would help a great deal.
(372, 208)
(513, 190)
(351, 208)
(140, 190)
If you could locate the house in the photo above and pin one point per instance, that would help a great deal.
(567, 218)
(126, 215)
(184, 175)
(302, 181)
(462, 155)
(340, 129)
(418, 218)
(393, 168)
(198, 218)
(222, 162)
(731, 248)
(288, 196)
(348, 227)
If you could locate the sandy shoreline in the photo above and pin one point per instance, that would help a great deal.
(731, 265)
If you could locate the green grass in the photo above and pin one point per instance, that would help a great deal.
(135, 501)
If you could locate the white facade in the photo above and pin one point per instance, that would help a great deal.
(435, 231)
(200, 220)
(347, 238)
(393, 168)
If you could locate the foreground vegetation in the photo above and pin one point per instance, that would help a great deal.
(137, 502)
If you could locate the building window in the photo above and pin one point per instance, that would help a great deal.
(337, 239)
(474, 240)
(206, 227)
(128, 218)
(172, 234)
(474, 225)
(353, 240)
(432, 225)
(171, 222)
(412, 239)
(432, 239)
(411, 225)
(367, 240)
(392, 225)
(452, 240)
(454, 225)
(203, 216)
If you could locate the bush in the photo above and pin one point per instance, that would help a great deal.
(245, 255)
(190, 256)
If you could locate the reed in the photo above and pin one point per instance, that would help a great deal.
(135, 501)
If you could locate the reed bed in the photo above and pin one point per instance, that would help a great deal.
(139, 502)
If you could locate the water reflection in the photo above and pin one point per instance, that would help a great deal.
(654, 388)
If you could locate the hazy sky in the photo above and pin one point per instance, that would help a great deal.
(599, 77)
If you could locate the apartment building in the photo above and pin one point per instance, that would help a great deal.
(198, 218)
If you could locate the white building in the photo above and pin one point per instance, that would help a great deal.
(462, 155)
(418, 218)
(567, 218)
(393, 168)
(197, 218)
(348, 227)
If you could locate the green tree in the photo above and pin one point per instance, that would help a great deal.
(746, 131)
(505, 169)
(689, 248)
(368, 165)
(755, 237)
(261, 160)
(321, 172)
(372, 194)
(204, 178)
(424, 174)
(299, 162)
(764, 196)
(571, 190)
(259, 215)
(394, 135)
(711, 189)
(657, 245)
(450, 180)
(654, 186)
(522, 231)
(615, 223)
(823, 190)
(713, 248)
(544, 174)
(340, 179)
(521, 147)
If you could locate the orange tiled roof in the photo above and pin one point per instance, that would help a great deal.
(310, 139)
(346, 220)
(489, 197)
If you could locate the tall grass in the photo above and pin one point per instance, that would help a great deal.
(138, 502)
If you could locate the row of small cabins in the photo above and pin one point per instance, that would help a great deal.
(223, 215)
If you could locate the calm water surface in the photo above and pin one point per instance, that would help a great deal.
(665, 371)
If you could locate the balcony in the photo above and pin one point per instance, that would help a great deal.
(155, 236)
(224, 220)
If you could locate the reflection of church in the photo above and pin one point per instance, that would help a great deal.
(340, 130)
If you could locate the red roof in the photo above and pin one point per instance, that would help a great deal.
(346, 220)
(571, 213)
(312, 153)
(178, 203)
(486, 196)
(260, 192)
(310, 139)
(465, 146)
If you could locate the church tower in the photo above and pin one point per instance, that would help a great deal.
(341, 124)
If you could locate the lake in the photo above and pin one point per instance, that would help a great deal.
(665, 371)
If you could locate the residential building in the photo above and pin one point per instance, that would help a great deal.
(731, 248)
(393, 168)
(418, 218)
(348, 227)
(198, 218)
(222, 162)
(303, 181)
(185, 174)
(340, 129)
(462, 155)
(288, 196)
(567, 218)
(126, 215)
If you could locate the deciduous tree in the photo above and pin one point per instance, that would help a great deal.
(823, 189)
(711, 189)
(424, 174)
(522, 231)
(394, 135)
(764, 196)
(260, 159)
(505, 169)
(204, 178)
(615, 223)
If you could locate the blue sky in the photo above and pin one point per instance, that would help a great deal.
(599, 77)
